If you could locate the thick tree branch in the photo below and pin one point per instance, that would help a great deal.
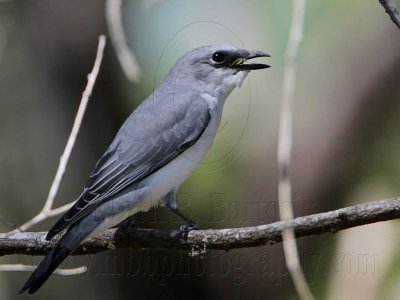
(391, 11)
(33, 243)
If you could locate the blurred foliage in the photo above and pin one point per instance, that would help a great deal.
(346, 140)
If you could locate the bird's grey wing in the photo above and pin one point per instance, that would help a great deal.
(147, 141)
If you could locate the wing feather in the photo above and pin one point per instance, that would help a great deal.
(150, 138)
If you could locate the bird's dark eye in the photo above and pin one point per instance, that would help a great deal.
(218, 57)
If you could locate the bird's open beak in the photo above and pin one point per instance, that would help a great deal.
(239, 62)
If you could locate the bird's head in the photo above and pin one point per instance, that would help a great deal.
(216, 70)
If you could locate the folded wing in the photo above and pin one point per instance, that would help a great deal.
(154, 135)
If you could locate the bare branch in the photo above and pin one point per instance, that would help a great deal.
(21, 267)
(391, 11)
(126, 57)
(47, 210)
(34, 243)
(285, 148)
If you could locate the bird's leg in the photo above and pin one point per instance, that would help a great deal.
(190, 224)
(170, 202)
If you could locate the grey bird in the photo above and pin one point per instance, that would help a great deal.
(154, 151)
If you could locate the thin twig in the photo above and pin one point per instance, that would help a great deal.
(391, 10)
(34, 243)
(284, 151)
(21, 267)
(47, 210)
(126, 57)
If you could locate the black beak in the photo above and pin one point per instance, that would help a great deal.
(239, 62)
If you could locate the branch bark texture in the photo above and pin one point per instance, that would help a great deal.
(34, 243)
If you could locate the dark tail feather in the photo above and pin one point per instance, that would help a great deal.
(67, 244)
(55, 257)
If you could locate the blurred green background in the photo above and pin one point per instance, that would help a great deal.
(346, 141)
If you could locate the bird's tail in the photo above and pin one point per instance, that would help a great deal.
(67, 244)
(45, 269)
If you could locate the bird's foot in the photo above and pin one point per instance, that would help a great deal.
(185, 229)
